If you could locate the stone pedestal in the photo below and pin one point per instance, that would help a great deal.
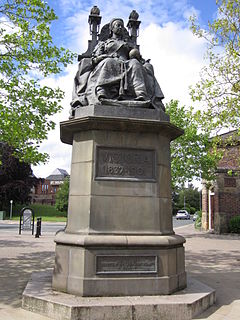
(119, 239)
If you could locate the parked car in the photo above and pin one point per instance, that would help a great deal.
(183, 214)
(195, 216)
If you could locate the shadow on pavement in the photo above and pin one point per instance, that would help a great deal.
(19, 270)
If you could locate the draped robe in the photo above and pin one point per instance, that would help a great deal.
(115, 77)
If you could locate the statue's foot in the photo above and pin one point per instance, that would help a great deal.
(121, 97)
(140, 95)
(101, 94)
(140, 98)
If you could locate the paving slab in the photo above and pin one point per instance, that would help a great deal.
(211, 259)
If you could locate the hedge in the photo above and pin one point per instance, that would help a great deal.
(234, 224)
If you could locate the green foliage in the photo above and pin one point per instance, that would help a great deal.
(218, 91)
(191, 154)
(191, 197)
(234, 224)
(16, 179)
(62, 196)
(175, 202)
(40, 210)
(198, 221)
(28, 55)
(190, 209)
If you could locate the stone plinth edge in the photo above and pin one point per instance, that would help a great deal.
(119, 240)
(122, 112)
(39, 297)
(70, 127)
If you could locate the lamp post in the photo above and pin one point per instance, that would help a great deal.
(11, 203)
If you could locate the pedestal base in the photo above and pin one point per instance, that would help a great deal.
(119, 238)
(98, 265)
(40, 298)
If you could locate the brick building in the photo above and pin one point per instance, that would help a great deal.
(221, 199)
(45, 191)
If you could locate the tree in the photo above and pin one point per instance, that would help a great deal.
(189, 196)
(62, 196)
(192, 154)
(27, 55)
(16, 178)
(219, 88)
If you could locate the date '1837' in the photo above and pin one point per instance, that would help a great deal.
(125, 164)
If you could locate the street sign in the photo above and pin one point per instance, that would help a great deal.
(26, 220)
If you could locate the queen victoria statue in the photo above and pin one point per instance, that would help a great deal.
(119, 238)
(112, 71)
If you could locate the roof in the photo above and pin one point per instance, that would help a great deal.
(58, 175)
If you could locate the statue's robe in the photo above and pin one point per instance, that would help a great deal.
(115, 77)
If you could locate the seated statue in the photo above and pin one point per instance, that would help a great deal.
(116, 74)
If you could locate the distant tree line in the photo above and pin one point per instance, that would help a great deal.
(187, 198)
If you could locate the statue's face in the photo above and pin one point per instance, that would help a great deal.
(117, 27)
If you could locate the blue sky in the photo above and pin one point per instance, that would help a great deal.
(72, 13)
(165, 38)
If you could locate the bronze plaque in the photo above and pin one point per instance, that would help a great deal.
(126, 264)
(125, 164)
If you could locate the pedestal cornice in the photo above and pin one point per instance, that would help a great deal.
(69, 127)
(119, 240)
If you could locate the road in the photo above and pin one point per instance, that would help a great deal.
(13, 226)
(53, 227)
(180, 223)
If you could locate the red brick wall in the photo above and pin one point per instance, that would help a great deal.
(45, 193)
(226, 190)
(229, 203)
(231, 158)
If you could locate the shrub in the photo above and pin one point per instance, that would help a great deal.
(39, 210)
(198, 221)
(192, 210)
(62, 197)
(189, 209)
(234, 224)
(199, 213)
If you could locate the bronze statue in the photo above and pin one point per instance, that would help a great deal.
(114, 73)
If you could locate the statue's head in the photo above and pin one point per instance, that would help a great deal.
(116, 27)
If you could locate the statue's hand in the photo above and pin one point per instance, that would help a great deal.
(98, 59)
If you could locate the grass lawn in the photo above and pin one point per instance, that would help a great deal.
(47, 219)
(47, 213)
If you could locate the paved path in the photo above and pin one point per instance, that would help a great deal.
(215, 260)
(212, 259)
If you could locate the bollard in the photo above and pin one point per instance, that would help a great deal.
(38, 230)
(40, 227)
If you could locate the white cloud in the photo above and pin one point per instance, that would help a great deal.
(176, 56)
(60, 153)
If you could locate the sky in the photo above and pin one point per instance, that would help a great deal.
(164, 37)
